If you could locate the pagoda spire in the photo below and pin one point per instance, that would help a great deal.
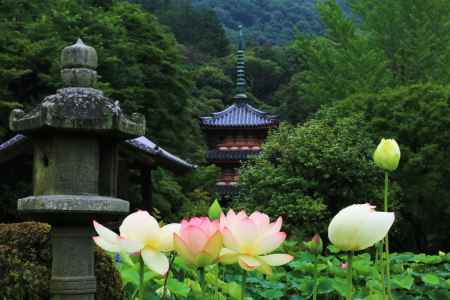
(240, 70)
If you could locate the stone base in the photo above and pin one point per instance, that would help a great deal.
(71, 209)
(73, 276)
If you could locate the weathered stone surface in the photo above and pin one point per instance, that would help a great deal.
(73, 264)
(79, 77)
(66, 164)
(74, 204)
(79, 109)
(79, 55)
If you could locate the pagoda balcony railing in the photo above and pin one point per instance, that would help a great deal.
(227, 178)
(233, 155)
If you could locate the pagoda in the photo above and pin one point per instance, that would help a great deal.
(236, 133)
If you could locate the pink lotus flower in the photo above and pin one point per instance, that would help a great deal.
(199, 241)
(140, 232)
(247, 240)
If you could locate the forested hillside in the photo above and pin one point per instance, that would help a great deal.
(267, 21)
(172, 61)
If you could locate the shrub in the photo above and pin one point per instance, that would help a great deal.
(25, 264)
(309, 172)
(418, 117)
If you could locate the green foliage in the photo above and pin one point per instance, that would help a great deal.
(268, 22)
(373, 46)
(196, 28)
(308, 172)
(414, 276)
(147, 79)
(201, 192)
(25, 264)
(414, 36)
(418, 117)
(140, 64)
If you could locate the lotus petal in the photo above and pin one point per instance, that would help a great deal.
(269, 243)
(140, 226)
(106, 245)
(228, 256)
(204, 259)
(228, 240)
(129, 246)
(195, 238)
(276, 259)
(155, 261)
(105, 233)
(214, 245)
(167, 235)
(374, 229)
(183, 250)
(248, 263)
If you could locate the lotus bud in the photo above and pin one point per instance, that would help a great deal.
(315, 245)
(387, 155)
(215, 210)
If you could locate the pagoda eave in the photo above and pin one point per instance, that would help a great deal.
(241, 127)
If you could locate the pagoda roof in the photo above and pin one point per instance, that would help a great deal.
(240, 115)
(160, 157)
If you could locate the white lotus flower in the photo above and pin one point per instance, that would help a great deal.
(359, 226)
(140, 232)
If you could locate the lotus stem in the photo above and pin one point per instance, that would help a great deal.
(172, 258)
(380, 264)
(316, 284)
(386, 239)
(141, 278)
(243, 284)
(201, 277)
(349, 276)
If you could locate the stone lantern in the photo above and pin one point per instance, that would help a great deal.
(75, 135)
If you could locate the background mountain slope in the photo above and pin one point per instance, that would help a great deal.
(266, 21)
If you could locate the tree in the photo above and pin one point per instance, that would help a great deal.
(418, 117)
(414, 36)
(140, 64)
(372, 46)
(307, 173)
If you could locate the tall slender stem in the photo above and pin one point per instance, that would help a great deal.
(349, 276)
(381, 267)
(243, 284)
(141, 278)
(171, 259)
(386, 239)
(316, 284)
(201, 278)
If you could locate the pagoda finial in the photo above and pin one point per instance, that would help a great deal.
(240, 69)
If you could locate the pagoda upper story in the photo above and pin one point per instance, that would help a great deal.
(237, 132)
